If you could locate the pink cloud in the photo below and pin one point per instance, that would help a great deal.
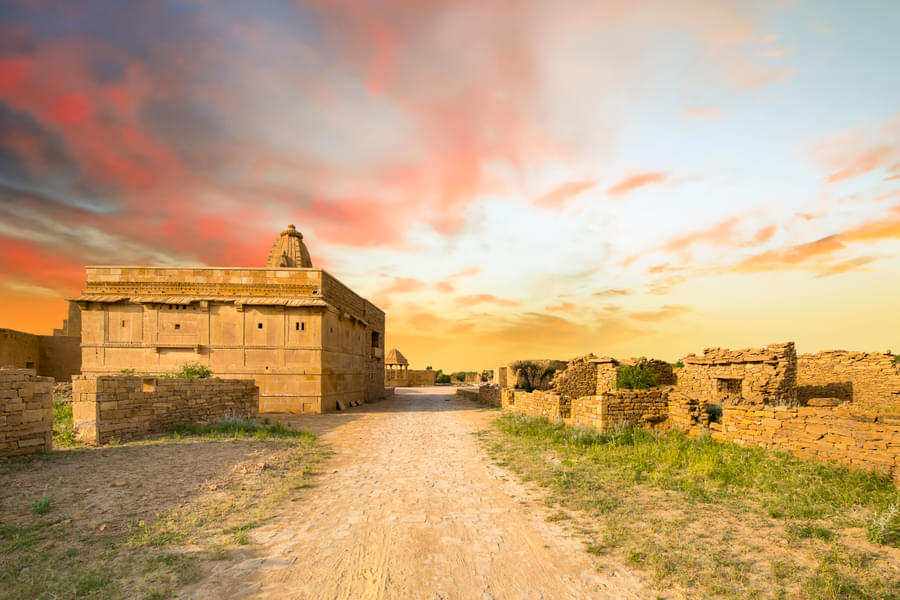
(558, 197)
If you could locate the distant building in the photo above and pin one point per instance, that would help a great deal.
(311, 343)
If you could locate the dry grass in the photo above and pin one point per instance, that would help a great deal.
(48, 554)
(709, 519)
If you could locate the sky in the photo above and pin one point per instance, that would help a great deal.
(507, 180)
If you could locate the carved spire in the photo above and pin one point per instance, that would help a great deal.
(289, 251)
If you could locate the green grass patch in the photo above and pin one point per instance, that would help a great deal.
(63, 427)
(703, 515)
(241, 429)
(41, 505)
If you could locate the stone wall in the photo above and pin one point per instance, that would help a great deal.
(740, 377)
(548, 405)
(421, 377)
(843, 433)
(578, 379)
(646, 408)
(26, 412)
(486, 394)
(125, 407)
(57, 356)
(687, 414)
(869, 380)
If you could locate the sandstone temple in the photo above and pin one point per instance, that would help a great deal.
(310, 343)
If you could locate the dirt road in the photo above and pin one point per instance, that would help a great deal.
(411, 507)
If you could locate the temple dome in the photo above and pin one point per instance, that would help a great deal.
(289, 251)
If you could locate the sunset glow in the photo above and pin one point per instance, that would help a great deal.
(505, 179)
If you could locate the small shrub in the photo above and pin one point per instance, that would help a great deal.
(41, 506)
(443, 378)
(635, 377)
(193, 371)
(880, 529)
(679, 364)
(458, 376)
(127, 371)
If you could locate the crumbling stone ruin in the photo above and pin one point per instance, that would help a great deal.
(26, 412)
(398, 374)
(834, 405)
(752, 376)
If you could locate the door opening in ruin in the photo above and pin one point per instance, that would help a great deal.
(374, 339)
(714, 412)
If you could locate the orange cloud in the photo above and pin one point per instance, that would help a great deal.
(668, 311)
(565, 307)
(765, 234)
(484, 298)
(612, 292)
(778, 259)
(446, 285)
(721, 234)
(863, 163)
(629, 184)
(558, 197)
(702, 112)
(845, 266)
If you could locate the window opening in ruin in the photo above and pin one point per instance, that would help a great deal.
(149, 384)
(177, 325)
(729, 390)
(374, 339)
(259, 325)
(715, 413)
(123, 322)
(29, 365)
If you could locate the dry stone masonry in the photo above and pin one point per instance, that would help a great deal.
(868, 380)
(26, 412)
(832, 406)
(126, 407)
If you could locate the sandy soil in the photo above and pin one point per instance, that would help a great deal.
(104, 489)
(410, 507)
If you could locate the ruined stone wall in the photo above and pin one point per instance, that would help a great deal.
(473, 378)
(19, 349)
(851, 436)
(60, 356)
(578, 379)
(500, 377)
(740, 377)
(548, 405)
(57, 356)
(607, 372)
(126, 407)
(487, 394)
(421, 377)
(869, 380)
(644, 408)
(26, 412)
(687, 414)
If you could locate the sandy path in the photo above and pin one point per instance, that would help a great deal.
(410, 507)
